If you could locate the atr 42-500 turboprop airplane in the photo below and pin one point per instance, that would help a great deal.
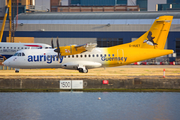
(149, 45)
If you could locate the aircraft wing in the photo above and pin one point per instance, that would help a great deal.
(75, 49)
(88, 46)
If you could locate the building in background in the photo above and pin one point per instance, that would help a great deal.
(170, 5)
(97, 8)
(144, 5)
(89, 5)
(2, 9)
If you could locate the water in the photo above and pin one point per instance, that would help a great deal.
(86, 106)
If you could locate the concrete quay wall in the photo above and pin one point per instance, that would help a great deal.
(132, 83)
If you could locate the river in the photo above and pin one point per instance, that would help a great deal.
(86, 106)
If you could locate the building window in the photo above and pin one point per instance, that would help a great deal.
(76, 2)
(108, 42)
(142, 4)
(122, 2)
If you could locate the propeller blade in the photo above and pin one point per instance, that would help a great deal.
(52, 45)
(58, 49)
(57, 43)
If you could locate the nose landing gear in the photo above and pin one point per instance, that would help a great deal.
(16, 70)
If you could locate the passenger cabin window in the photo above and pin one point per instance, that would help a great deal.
(93, 55)
(89, 55)
(77, 56)
(81, 55)
(97, 55)
(72, 56)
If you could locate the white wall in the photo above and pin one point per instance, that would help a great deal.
(131, 2)
(42, 4)
(64, 2)
(152, 4)
(2, 8)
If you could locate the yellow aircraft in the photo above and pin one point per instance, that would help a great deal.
(149, 45)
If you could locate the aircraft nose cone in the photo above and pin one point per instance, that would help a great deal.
(6, 62)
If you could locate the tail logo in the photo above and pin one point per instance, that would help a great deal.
(150, 39)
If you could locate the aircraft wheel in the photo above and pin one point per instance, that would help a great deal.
(80, 70)
(16, 70)
(85, 71)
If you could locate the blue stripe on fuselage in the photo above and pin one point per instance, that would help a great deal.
(43, 58)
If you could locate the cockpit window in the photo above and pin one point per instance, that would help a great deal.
(19, 54)
(23, 54)
(15, 54)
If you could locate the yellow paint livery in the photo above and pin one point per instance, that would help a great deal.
(149, 45)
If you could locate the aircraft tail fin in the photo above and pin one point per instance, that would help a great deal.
(156, 36)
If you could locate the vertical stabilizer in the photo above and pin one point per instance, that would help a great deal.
(156, 36)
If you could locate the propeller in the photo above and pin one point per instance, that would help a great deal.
(52, 45)
(58, 49)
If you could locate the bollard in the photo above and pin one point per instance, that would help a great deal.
(163, 73)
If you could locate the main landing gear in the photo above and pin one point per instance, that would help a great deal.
(81, 70)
